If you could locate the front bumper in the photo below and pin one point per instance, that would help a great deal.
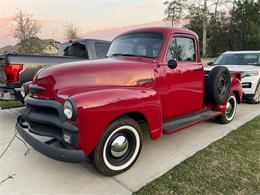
(46, 118)
(60, 154)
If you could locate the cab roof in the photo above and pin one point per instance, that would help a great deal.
(162, 30)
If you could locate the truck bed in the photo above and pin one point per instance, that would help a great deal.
(31, 64)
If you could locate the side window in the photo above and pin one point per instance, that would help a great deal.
(171, 53)
(101, 49)
(182, 49)
(186, 51)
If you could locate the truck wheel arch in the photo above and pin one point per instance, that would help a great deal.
(139, 117)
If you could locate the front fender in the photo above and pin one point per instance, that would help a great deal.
(97, 109)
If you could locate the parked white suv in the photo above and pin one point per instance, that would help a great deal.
(248, 63)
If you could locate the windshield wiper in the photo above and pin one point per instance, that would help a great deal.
(124, 54)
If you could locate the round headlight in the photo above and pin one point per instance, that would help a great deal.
(23, 91)
(68, 109)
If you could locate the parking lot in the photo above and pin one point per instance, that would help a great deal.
(36, 173)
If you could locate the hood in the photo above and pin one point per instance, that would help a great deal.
(237, 68)
(78, 77)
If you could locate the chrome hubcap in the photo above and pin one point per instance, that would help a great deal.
(229, 108)
(119, 146)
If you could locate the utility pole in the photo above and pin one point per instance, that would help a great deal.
(204, 40)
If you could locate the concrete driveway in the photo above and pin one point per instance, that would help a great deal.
(36, 173)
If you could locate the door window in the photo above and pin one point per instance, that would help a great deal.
(182, 49)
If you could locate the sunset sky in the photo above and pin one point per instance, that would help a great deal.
(95, 18)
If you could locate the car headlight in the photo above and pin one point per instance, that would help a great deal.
(249, 73)
(69, 110)
(23, 91)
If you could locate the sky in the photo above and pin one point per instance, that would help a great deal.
(95, 18)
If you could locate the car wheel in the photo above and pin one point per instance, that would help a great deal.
(218, 85)
(256, 98)
(230, 111)
(118, 148)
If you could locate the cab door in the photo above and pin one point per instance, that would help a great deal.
(185, 83)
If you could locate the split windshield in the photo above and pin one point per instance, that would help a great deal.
(137, 44)
(238, 59)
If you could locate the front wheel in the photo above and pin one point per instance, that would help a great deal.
(118, 148)
(256, 98)
(230, 111)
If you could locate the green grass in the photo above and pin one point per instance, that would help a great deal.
(10, 104)
(229, 166)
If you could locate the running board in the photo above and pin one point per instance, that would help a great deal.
(179, 123)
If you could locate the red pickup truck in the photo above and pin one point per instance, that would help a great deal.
(152, 79)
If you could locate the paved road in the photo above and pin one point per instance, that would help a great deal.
(36, 173)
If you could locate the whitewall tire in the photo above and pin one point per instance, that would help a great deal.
(230, 112)
(119, 147)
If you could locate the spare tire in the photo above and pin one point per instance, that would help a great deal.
(218, 85)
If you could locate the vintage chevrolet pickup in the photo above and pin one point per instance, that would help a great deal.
(97, 109)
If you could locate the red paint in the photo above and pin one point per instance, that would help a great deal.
(106, 89)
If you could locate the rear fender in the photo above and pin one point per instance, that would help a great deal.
(97, 109)
(235, 88)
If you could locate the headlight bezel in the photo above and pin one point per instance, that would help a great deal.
(69, 109)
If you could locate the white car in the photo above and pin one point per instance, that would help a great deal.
(248, 63)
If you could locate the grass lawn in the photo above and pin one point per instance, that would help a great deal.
(228, 166)
(10, 104)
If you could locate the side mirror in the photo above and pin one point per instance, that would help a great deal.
(172, 64)
(210, 63)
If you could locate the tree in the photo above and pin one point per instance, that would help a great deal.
(26, 30)
(245, 25)
(195, 17)
(204, 29)
(218, 34)
(71, 32)
(174, 11)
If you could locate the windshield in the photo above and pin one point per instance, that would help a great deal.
(138, 44)
(238, 59)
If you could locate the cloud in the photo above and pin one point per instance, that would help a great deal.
(49, 19)
(111, 33)
(140, 5)
(146, 3)
(4, 34)
(5, 21)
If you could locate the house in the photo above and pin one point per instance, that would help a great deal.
(39, 46)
